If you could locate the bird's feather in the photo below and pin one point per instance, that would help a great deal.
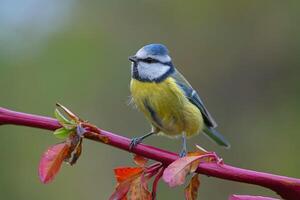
(194, 98)
(217, 137)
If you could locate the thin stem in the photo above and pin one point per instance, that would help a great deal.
(155, 182)
(287, 188)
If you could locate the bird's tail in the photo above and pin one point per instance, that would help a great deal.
(217, 137)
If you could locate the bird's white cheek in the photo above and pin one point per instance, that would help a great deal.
(152, 71)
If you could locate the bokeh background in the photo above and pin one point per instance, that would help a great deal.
(242, 56)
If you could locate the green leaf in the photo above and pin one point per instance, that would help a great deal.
(63, 120)
(60, 117)
(62, 133)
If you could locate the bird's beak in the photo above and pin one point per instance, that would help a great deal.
(133, 58)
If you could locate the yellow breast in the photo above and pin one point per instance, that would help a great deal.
(166, 107)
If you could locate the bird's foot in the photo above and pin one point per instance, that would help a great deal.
(182, 153)
(135, 141)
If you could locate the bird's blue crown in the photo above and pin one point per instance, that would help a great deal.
(156, 49)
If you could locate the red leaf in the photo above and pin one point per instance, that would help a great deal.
(125, 173)
(121, 191)
(191, 191)
(139, 190)
(176, 172)
(125, 177)
(140, 160)
(246, 197)
(51, 161)
(133, 188)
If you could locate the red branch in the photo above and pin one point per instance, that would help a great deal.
(288, 188)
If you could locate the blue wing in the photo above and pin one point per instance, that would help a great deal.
(195, 99)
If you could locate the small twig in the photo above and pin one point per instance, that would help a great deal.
(155, 182)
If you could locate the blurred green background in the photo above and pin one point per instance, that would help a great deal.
(242, 56)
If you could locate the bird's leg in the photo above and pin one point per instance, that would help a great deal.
(136, 140)
(183, 151)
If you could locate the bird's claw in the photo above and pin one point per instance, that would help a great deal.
(134, 141)
(182, 153)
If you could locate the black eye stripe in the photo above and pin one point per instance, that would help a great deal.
(155, 61)
(149, 60)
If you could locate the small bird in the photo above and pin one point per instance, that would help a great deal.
(168, 101)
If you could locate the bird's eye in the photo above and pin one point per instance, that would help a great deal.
(149, 60)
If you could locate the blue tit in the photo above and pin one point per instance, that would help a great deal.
(168, 101)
